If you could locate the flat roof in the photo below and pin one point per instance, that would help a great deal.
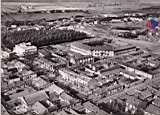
(80, 45)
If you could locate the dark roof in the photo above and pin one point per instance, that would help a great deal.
(104, 47)
(126, 47)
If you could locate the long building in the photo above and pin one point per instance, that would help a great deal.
(101, 51)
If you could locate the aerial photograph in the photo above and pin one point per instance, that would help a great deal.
(80, 57)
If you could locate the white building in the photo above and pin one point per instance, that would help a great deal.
(23, 49)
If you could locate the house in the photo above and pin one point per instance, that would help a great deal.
(54, 97)
(39, 83)
(50, 64)
(4, 54)
(145, 94)
(23, 49)
(45, 64)
(75, 78)
(13, 79)
(4, 111)
(28, 74)
(49, 105)
(138, 71)
(66, 98)
(63, 112)
(18, 106)
(89, 107)
(35, 97)
(54, 88)
(20, 66)
(152, 110)
(132, 103)
(20, 92)
(38, 108)
(156, 102)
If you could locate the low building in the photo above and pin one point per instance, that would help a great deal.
(35, 97)
(44, 63)
(89, 108)
(4, 54)
(67, 98)
(132, 104)
(43, 53)
(20, 66)
(38, 83)
(13, 79)
(156, 102)
(121, 50)
(49, 64)
(54, 88)
(78, 59)
(142, 70)
(18, 106)
(4, 111)
(74, 78)
(28, 74)
(152, 110)
(39, 109)
(128, 75)
(24, 49)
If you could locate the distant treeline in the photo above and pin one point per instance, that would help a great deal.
(48, 1)
(41, 37)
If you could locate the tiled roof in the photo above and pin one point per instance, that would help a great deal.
(54, 88)
(35, 97)
(153, 109)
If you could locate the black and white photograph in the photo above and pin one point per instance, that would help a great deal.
(80, 57)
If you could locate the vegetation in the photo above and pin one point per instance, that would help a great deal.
(41, 37)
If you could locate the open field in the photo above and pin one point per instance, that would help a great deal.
(102, 6)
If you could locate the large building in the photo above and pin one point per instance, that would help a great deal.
(124, 49)
(81, 48)
(23, 49)
(78, 59)
(102, 51)
(97, 51)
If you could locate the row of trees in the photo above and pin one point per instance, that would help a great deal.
(41, 37)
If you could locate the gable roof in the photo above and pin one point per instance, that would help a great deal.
(54, 88)
(91, 107)
(35, 97)
(39, 108)
(153, 109)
